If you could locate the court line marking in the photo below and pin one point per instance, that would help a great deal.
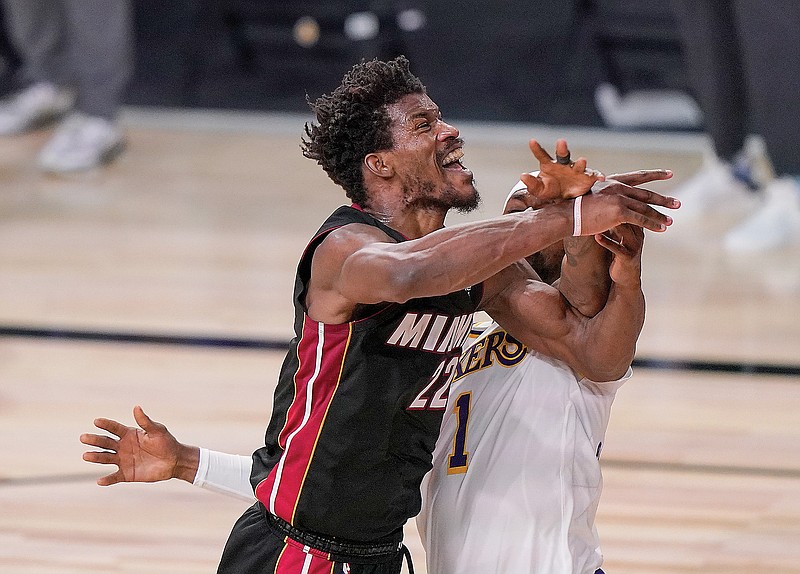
(224, 342)
(623, 464)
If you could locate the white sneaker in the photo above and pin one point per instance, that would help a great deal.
(646, 108)
(714, 190)
(81, 142)
(775, 225)
(33, 107)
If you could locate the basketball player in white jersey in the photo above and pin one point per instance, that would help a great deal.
(516, 477)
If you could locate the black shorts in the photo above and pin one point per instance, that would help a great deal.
(257, 545)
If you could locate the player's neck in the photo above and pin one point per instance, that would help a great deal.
(410, 220)
(412, 223)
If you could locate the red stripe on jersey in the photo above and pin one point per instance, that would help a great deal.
(321, 351)
(297, 559)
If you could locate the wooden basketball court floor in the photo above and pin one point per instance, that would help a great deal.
(195, 232)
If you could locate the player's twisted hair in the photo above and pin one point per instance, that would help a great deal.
(352, 121)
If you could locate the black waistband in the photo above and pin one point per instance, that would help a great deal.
(340, 550)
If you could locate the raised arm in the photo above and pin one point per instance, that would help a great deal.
(584, 278)
(578, 267)
(600, 347)
(358, 264)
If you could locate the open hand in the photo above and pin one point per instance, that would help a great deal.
(146, 454)
(559, 178)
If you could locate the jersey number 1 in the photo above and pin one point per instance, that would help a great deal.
(459, 458)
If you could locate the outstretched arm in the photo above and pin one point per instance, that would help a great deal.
(463, 255)
(146, 454)
(584, 279)
(456, 257)
(578, 266)
(152, 454)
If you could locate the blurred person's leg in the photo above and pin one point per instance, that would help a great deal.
(101, 53)
(713, 59)
(100, 36)
(36, 30)
(711, 50)
(770, 43)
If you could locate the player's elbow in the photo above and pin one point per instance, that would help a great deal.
(403, 283)
(609, 367)
(589, 306)
(607, 375)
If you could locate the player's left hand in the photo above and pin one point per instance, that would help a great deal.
(625, 242)
(559, 178)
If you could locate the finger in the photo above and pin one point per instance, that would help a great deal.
(645, 216)
(562, 152)
(539, 152)
(641, 176)
(114, 427)
(145, 422)
(609, 244)
(101, 457)
(650, 197)
(99, 441)
(579, 166)
(530, 181)
(110, 479)
(631, 236)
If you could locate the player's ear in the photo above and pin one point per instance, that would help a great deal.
(377, 164)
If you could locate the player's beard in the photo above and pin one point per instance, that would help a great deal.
(421, 195)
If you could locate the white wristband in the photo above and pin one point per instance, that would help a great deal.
(225, 473)
(576, 216)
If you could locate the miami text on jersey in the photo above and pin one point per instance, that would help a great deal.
(435, 333)
(423, 331)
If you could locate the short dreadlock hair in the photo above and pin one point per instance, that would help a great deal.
(352, 121)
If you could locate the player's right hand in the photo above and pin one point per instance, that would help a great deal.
(613, 203)
(146, 454)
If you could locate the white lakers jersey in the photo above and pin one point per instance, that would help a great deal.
(516, 477)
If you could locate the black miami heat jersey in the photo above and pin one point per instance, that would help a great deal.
(358, 407)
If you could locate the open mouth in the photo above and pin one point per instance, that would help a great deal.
(453, 160)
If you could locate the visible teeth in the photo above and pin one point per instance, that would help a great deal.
(453, 156)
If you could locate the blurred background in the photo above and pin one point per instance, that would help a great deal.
(161, 274)
(534, 61)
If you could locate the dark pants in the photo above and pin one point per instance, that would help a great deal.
(83, 44)
(257, 547)
(743, 60)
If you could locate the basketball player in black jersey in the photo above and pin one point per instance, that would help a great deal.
(384, 297)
